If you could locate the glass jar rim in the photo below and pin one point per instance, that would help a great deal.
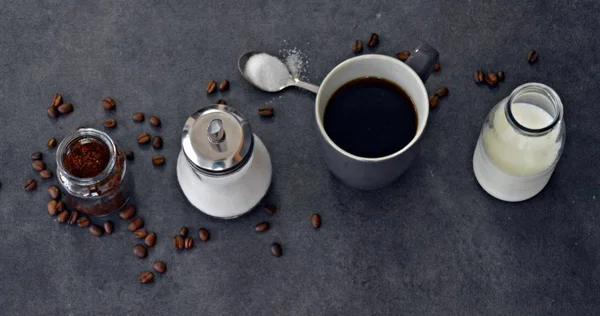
(547, 92)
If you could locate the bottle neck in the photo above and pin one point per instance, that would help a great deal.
(534, 99)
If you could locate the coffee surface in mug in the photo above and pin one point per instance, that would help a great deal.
(370, 117)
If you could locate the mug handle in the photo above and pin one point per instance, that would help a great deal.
(422, 59)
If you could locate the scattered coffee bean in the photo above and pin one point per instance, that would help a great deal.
(183, 231)
(158, 160)
(491, 78)
(160, 267)
(203, 234)
(96, 230)
(65, 108)
(54, 192)
(110, 123)
(150, 240)
(373, 40)
(63, 216)
(52, 112)
(315, 220)
(128, 212)
(532, 56)
(52, 143)
(144, 138)
(51, 207)
(30, 185)
(478, 76)
(83, 222)
(140, 233)
(129, 155)
(38, 165)
(271, 209)
(157, 142)
(433, 101)
(178, 242)
(437, 66)
(403, 55)
(266, 111)
(146, 277)
(221, 101)
(37, 156)
(46, 174)
(262, 227)
(500, 75)
(224, 85)
(189, 243)
(57, 100)
(60, 206)
(154, 121)
(73, 217)
(211, 87)
(135, 224)
(442, 92)
(140, 251)
(276, 249)
(357, 46)
(108, 227)
(109, 104)
(138, 117)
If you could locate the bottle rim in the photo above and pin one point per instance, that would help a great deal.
(543, 91)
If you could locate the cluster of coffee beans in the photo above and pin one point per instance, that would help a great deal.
(58, 108)
(491, 78)
(372, 42)
(211, 87)
(435, 98)
(182, 241)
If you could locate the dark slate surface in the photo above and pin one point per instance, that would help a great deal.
(433, 243)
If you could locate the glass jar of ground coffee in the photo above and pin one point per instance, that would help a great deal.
(93, 172)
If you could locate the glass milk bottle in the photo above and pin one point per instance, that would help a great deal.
(520, 143)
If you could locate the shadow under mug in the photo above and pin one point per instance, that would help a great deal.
(374, 173)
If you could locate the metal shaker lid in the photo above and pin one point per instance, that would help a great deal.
(217, 140)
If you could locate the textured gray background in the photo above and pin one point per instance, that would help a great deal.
(433, 243)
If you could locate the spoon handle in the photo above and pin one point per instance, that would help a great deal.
(305, 85)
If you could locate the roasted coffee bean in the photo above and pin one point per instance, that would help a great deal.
(135, 224)
(500, 75)
(52, 112)
(83, 222)
(129, 155)
(63, 216)
(437, 66)
(150, 240)
(128, 212)
(52, 143)
(140, 251)
(373, 40)
(38, 165)
(203, 234)
(403, 55)
(442, 92)
(189, 243)
(315, 220)
(478, 76)
(138, 117)
(37, 156)
(144, 138)
(60, 206)
(178, 242)
(433, 101)
(65, 108)
(140, 233)
(73, 217)
(160, 267)
(46, 174)
(54, 192)
(110, 123)
(262, 227)
(146, 277)
(30, 185)
(154, 121)
(108, 227)
(276, 249)
(357, 46)
(266, 111)
(109, 104)
(491, 78)
(183, 231)
(158, 160)
(157, 142)
(51, 207)
(271, 209)
(96, 230)
(532, 56)
(221, 101)
(224, 85)
(211, 87)
(57, 100)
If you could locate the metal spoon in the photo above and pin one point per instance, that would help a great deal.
(285, 82)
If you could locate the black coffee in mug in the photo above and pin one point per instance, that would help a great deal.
(370, 117)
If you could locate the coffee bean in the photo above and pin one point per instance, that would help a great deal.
(51, 207)
(37, 156)
(51, 143)
(491, 78)
(315, 220)
(38, 165)
(60, 206)
(158, 160)
(63, 216)
(83, 222)
(500, 75)
(46, 174)
(138, 117)
(403, 55)
(150, 240)
(128, 212)
(178, 242)
(373, 40)
(30, 185)
(221, 101)
(437, 66)
(154, 121)
(146, 277)
(357, 46)
(224, 85)
(442, 92)
(183, 231)
(65, 108)
(271, 209)
(433, 101)
(129, 155)
(189, 243)
(52, 112)
(203, 234)
(135, 224)
(262, 227)
(110, 123)
(144, 138)
(57, 100)
(96, 230)
(478, 76)
(160, 267)
(157, 142)
(266, 111)
(140, 251)
(276, 249)
(109, 104)
(140, 233)
(532, 56)
(108, 227)
(54, 192)
(73, 217)
(211, 87)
